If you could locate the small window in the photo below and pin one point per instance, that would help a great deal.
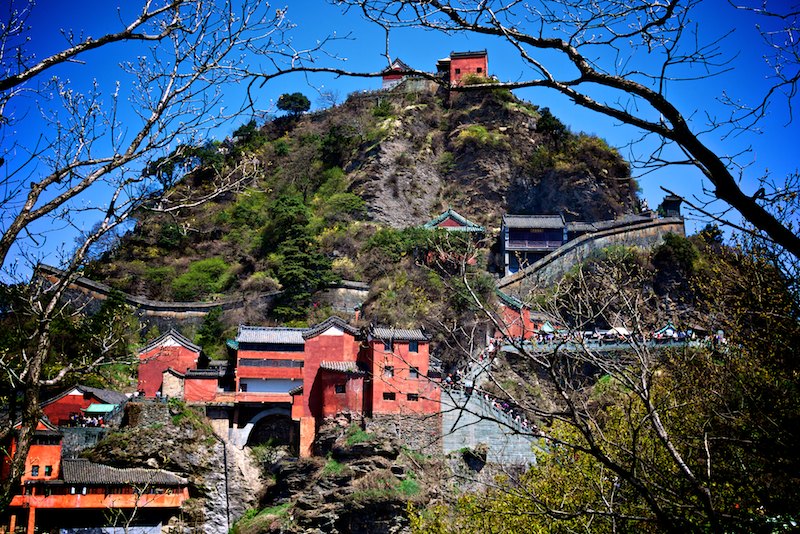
(387, 396)
(34, 470)
(339, 388)
(387, 346)
(72, 490)
(48, 470)
(413, 397)
(388, 371)
(413, 346)
(458, 71)
(413, 372)
(480, 69)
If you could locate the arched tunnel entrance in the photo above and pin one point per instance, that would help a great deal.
(271, 426)
(275, 429)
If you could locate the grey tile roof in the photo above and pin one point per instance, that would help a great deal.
(342, 367)
(106, 396)
(579, 226)
(176, 336)
(468, 53)
(399, 334)
(82, 471)
(263, 334)
(398, 64)
(296, 390)
(334, 321)
(533, 221)
(467, 225)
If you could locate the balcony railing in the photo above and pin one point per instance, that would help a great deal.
(530, 244)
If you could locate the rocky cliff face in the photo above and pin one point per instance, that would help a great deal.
(484, 154)
(392, 159)
(362, 484)
(223, 483)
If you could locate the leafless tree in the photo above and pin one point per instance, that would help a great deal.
(89, 160)
(652, 417)
(621, 59)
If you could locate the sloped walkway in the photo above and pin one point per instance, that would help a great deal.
(470, 419)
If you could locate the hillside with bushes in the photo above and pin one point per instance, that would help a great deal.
(340, 194)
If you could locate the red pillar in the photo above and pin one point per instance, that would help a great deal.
(31, 520)
(308, 431)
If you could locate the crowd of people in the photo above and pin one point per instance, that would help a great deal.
(81, 420)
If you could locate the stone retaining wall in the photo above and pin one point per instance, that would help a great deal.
(469, 421)
(556, 264)
(422, 433)
(88, 294)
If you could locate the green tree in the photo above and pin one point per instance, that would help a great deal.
(210, 334)
(294, 103)
(684, 439)
(206, 276)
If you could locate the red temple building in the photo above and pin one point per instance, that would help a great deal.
(460, 64)
(517, 320)
(287, 380)
(451, 69)
(74, 404)
(69, 495)
(452, 221)
(169, 351)
(393, 75)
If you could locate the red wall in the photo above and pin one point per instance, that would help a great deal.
(352, 400)
(41, 455)
(468, 65)
(341, 348)
(401, 384)
(392, 77)
(267, 372)
(153, 363)
(450, 223)
(199, 389)
(58, 411)
(518, 324)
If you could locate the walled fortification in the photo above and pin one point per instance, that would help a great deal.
(556, 264)
(343, 297)
(472, 422)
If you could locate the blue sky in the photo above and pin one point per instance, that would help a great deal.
(773, 150)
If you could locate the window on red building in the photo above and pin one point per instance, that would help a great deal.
(34, 470)
(413, 397)
(413, 372)
(480, 69)
(48, 470)
(387, 396)
(413, 346)
(458, 71)
(388, 371)
(387, 346)
(339, 388)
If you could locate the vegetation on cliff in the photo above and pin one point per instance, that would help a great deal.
(688, 438)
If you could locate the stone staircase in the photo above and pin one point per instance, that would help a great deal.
(472, 420)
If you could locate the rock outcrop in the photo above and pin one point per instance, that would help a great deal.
(223, 482)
